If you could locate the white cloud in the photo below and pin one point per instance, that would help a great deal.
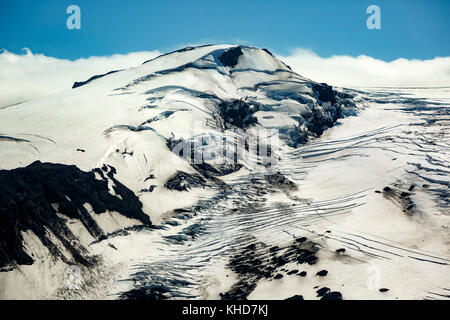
(367, 71)
(27, 76)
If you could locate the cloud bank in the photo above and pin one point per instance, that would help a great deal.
(364, 71)
(27, 76)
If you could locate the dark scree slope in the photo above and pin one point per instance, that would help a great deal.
(32, 196)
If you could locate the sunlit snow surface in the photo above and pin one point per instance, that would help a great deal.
(376, 184)
(399, 140)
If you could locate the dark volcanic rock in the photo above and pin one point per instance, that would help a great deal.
(322, 273)
(334, 295)
(332, 105)
(153, 292)
(150, 189)
(237, 113)
(301, 239)
(217, 170)
(306, 256)
(183, 181)
(322, 291)
(398, 196)
(230, 57)
(280, 181)
(32, 196)
(258, 261)
(320, 119)
(324, 92)
(82, 83)
(296, 297)
(239, 293)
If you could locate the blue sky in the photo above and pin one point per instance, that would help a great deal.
(415, 29)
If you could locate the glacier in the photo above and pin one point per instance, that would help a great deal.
(217, 172)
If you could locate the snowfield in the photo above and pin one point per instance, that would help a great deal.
(217, 172)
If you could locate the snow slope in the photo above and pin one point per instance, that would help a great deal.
(221, 228)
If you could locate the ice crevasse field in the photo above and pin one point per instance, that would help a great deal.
(355, 207)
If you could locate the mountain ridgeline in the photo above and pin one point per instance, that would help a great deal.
(54, 175)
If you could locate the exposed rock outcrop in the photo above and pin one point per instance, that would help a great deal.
(42, 196)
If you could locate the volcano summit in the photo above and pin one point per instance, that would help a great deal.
(218, 172)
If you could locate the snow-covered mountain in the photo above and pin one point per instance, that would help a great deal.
(209, 172)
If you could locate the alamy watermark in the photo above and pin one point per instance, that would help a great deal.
(374, 20)
(74, 20)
